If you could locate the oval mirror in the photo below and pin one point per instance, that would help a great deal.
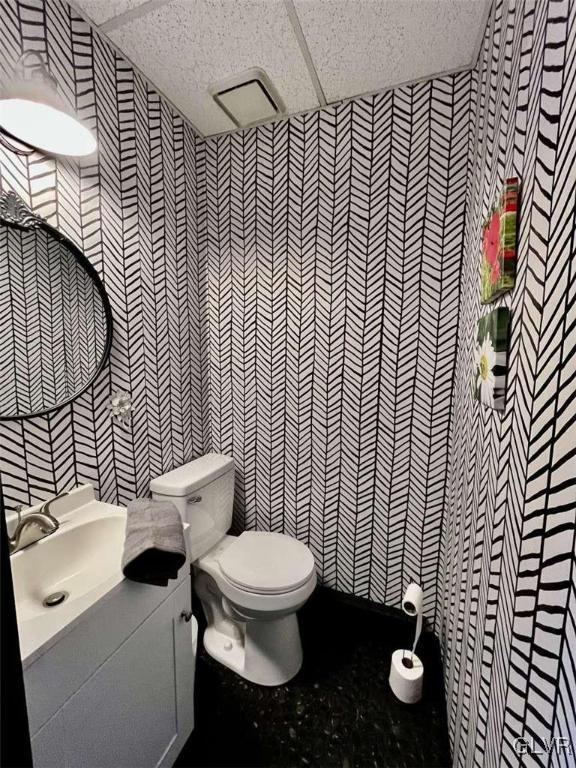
(55, 317)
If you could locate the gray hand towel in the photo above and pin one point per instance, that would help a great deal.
(154, 546)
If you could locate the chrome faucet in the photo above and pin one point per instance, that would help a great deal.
(35, 526)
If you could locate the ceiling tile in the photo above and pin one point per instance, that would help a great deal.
(360, 46)
(188, 45)
(100, 11)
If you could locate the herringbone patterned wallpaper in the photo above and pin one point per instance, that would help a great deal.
(508, 571)
(333, 254)
(53, 329)
(304, 296)
(133, 212)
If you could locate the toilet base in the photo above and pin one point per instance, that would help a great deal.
(264, 651)
(224, 649)
(269, 653)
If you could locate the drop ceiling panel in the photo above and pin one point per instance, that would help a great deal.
(100, 11)
(357, 46)
(188, 45)
(360, 46)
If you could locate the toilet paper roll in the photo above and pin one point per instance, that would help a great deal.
(406, 676)
(412, 600)
(412, 605)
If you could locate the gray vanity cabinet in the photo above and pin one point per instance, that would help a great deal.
(136, 709)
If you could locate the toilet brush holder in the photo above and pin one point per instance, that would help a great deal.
(406, 675)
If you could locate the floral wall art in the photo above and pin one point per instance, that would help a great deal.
(498, 269)
(491, 358)
(507, 566)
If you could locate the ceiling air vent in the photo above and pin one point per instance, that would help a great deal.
(248, 98)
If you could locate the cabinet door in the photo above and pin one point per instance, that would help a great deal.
(185, 637)
(48, 744)
(127, 714)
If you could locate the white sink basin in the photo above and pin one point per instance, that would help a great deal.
(76, 559)
(82, 558)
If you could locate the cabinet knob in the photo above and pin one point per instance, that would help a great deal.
(186, 615)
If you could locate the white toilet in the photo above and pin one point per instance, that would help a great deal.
(250, 585)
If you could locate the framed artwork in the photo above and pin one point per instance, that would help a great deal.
(498, 269)
(491, 359)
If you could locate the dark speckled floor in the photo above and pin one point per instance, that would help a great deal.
(338, 711)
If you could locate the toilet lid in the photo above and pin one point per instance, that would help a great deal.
(267, 562)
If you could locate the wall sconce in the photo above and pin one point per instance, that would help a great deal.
(33, 112)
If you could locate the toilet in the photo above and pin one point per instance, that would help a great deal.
(251, 585)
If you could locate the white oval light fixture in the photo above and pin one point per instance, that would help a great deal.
(33, 112)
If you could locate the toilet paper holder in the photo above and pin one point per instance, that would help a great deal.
(407, 661)
(412, 606)
(406, 669)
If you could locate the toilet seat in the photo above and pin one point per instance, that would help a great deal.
(267, 563)
(262, 602)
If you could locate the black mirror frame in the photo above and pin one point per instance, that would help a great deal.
(14, 213)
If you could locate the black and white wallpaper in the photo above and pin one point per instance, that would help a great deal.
(132, 211)
(333, 252)
(304, 296)
(508, 566)
(52, 322)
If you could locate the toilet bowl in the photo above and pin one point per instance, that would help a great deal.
(251, 585)
(250, 603)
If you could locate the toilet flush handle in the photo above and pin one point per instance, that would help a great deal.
(194, 499)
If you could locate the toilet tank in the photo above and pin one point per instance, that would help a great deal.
(203, 492)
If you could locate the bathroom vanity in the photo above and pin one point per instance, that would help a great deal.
(109, 672)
